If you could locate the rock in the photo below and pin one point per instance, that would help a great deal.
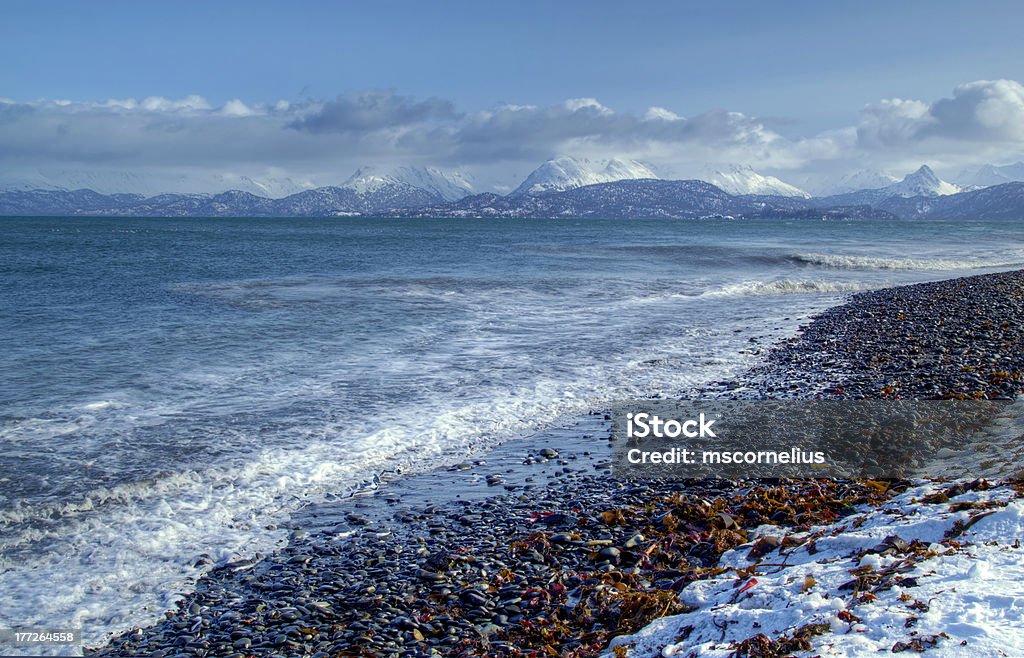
(439, 561)
(559, 519)
(355, 519)
(487, 630)
(430, 576)
(634, 541)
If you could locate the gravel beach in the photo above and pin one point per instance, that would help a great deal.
(960, 338)
(536, 550)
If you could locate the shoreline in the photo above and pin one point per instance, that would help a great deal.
(562, 556)
(960, 338)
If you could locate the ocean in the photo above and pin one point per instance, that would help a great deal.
(173, 389)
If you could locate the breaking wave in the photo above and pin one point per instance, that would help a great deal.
(784, 287)
(843, 262)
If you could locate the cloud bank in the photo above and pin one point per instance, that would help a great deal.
(190, 140)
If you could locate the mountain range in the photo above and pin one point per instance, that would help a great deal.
(561, 187)
(737, 179)
(562, 174)
(989, 175)
(450, 186)
(921, 183)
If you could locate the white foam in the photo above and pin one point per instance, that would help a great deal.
(853, 262)
(99, 405)
(113, 556)
(785, 287)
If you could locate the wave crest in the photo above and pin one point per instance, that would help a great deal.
(784, 287)
(846, 262)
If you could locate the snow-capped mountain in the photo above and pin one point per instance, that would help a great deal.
(626, 199)
(736, 179)
(865, 179)
(1003, 201)
(103, 182)
(273, 187)
(992, 175)
(561, 174)
(368, 182)
(922, 182)
(128, 182)
(448, 185)
(641, 199)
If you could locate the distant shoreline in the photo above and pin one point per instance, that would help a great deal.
(622, 199)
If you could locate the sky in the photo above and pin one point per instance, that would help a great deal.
(190, 93)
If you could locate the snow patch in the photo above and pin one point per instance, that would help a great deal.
(562, 174)
(922, 182)
(449, 185)
(737, 179)
(910, 574)
(989, 175)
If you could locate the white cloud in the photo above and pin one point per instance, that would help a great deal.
(325, 140)
(891, 122)
(236, 108)
(577, 104)
(121, 103)
(161, 104)
(655, 113)
(990, 110)
(373, 110)
(981, 112)
(513, 107)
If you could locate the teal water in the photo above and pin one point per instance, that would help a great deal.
(175, 387)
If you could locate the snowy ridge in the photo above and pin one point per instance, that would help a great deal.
(449, 186)
(561, 174)
(270, 187)
(737, 179)
(922, 182)
(121, 182)
(989, 175)
(938, 568)
(565, 187)
(865, 179)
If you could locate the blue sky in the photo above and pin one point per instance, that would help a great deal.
(800, 69)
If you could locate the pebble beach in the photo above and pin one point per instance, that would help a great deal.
(537, 550)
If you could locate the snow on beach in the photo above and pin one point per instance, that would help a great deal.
(938, 568)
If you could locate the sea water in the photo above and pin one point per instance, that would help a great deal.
(172, 389)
